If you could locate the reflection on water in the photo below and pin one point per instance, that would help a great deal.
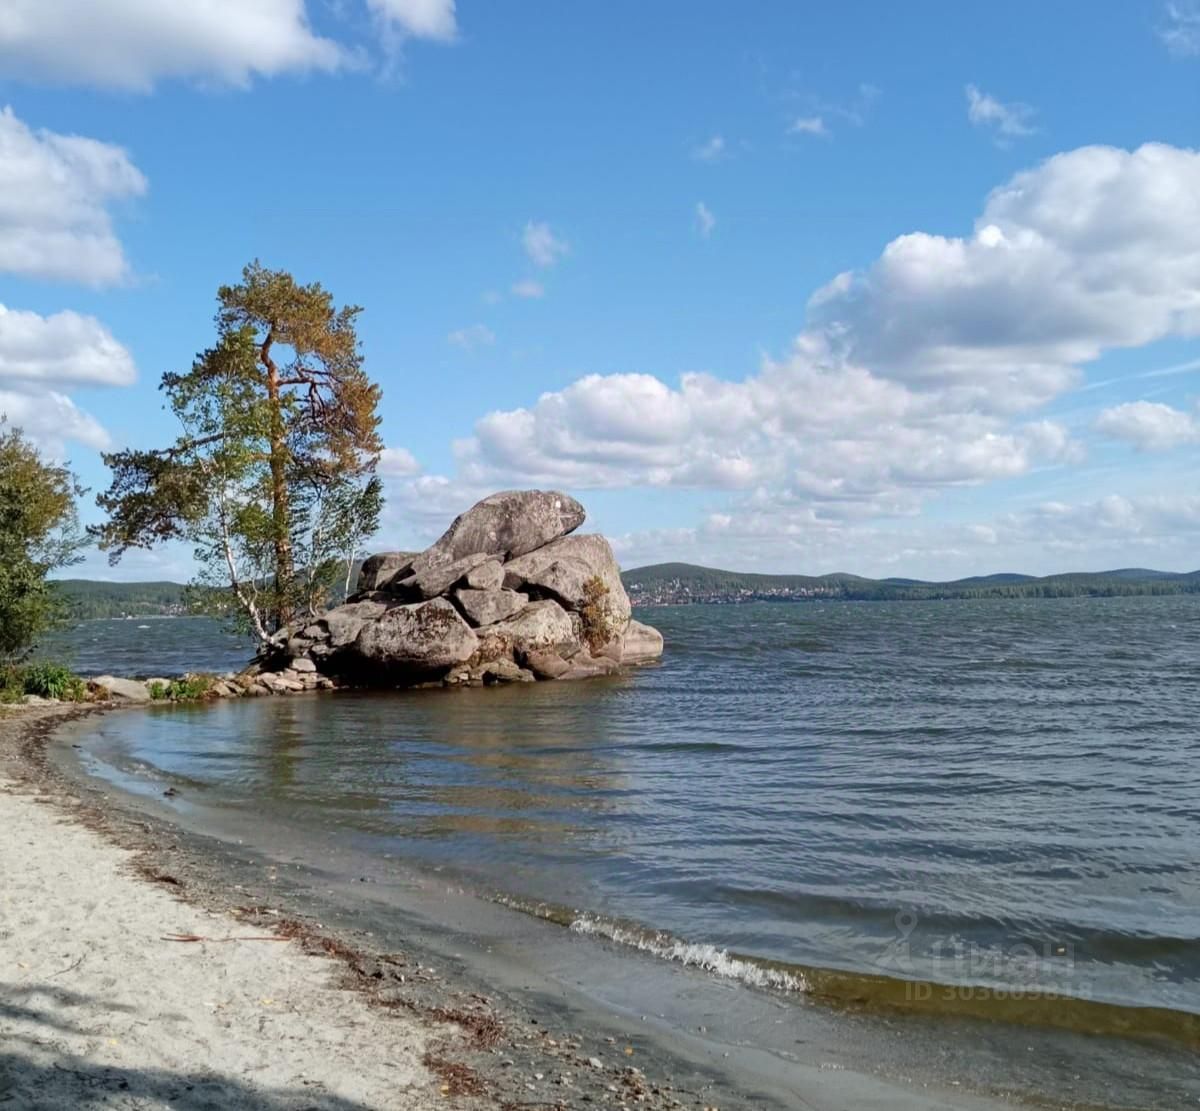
(956, 785)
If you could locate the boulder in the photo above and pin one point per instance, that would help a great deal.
(641, 644)
(425, 637)
(546, 665)
(508, 593)
(582, 574)
(538, 627)
(487, 576)
(432, 581)
(486, 607)
(345, 623)
(123, 690)
(501, 671)
(507, 524)
(380, 569)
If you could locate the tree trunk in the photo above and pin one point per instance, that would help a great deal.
(281, 518)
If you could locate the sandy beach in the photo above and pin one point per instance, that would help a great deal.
(102, 1002)
(124, 985)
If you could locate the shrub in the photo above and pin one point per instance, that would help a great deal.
(12, 684)
(188, 689)
(596, 630)
(51, 680)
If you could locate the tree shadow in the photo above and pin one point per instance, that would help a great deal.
(37, 1071)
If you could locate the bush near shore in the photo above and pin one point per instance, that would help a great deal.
(58, 683)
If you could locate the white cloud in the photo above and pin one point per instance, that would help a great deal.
(705, 220)
(51, 419)
(426, 19)
(528, 289)
(1009, 120)
(1108, 532)
(398, 462)
(1180, 31)
(1148, 425)
(133, 44)
(542, 246)
(923, 372)
(65, 349)
(54, 192)
(809, 125)
(473, 337)
(40, 357)
(711, 150)
(1095, 248)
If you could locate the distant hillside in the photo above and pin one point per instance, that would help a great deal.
(677, 583)
(90, 598)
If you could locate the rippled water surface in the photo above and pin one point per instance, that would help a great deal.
(993, 792)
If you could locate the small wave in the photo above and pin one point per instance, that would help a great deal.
(711, 959)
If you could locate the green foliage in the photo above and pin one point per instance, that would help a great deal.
(46, 680)
(86, 599)
(272, 477)
(683, 582)
(190, 688)
(51, 680)
(12, 684)
(39, 533)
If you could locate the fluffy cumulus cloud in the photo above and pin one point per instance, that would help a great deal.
(1095, 248)
(923, 372)
(51, 420)
(135, 44)
(43, 356)
(54, 196)
(65, 349)
(398, 462)
(132, 44)
(1149, 425)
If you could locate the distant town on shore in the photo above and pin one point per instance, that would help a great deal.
(673, 584)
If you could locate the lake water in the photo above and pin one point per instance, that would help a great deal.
(838, 797)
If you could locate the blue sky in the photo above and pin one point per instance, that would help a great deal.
(599, 248)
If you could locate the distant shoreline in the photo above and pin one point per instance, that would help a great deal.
(672, 584)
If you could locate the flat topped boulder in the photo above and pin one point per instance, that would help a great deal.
(509, 524)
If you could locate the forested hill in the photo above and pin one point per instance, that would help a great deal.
(677, 583)
(89, 598)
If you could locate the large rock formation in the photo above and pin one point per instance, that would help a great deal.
(505, 595)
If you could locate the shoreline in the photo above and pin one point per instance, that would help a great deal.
(464, 1050)
(517, 1025)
